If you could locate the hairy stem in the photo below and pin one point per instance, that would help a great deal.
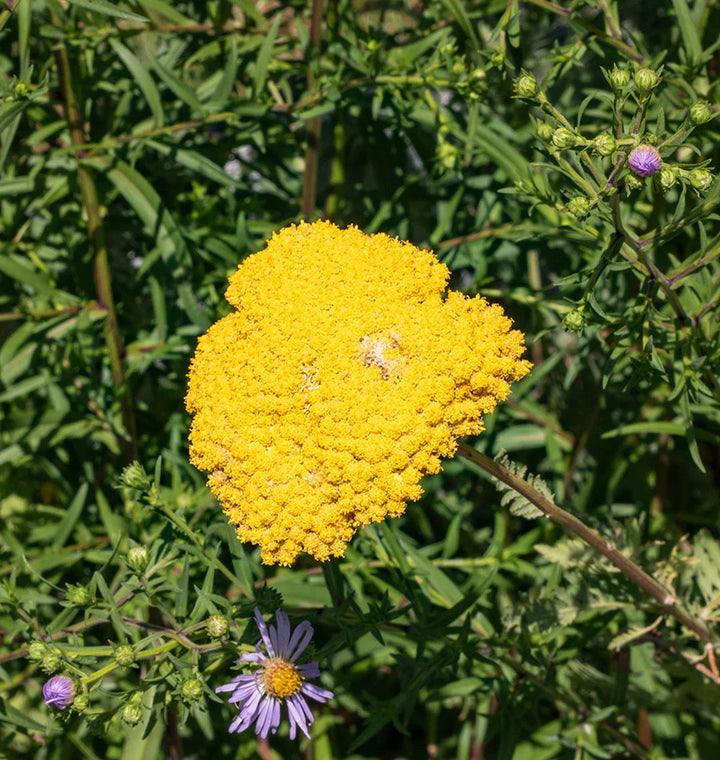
(573, 525)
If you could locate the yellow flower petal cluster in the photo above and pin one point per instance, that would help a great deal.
(343, 375)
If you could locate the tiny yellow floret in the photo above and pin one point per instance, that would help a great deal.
(281, 679)
(344, 374)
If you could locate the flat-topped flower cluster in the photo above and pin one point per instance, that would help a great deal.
(344, 374)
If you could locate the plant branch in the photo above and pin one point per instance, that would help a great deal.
(101, 266)
(314, 126)
(573, 525)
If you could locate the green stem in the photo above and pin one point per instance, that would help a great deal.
(573, 525)
(314, 126)
(101, 266)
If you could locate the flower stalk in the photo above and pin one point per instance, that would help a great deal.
(572, 524)
(98, 247)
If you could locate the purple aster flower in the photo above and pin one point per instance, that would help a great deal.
(279, 680)
(644, 160)
(58, 692)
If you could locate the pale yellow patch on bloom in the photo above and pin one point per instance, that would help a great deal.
(343, 375)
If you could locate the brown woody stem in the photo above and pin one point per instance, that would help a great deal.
(573, 525)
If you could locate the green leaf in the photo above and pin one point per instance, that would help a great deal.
(688, 30)
(264, 56)
(109, 9)
(194, 161)
(148, 205)
(183, 592)
(143, 78)
(72, 515)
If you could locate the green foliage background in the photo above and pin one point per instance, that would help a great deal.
(146, 148)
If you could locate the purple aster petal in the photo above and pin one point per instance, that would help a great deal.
(234, 684)
(253, 657)
(297, 710)
(644, 160)
(58, 692)
(299, 640)
(243, 693)
(283, 633)
(316, 692)
(264, 633)
(309, 670)
(265, 717)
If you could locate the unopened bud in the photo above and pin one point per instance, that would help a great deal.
(21, 90)
(563, 138)
(644, 160)
(37, 650)
(80, 703)
(574, 321)
(619, 78)
(447, 155)
(604, 144)
(545, 131)
(132, 713)
(667, 177)
(216, 626)
(646, 80)
(525, 86)
(700, 179)
(700, 112)
(579, 206)
(79, 596)
(191, 690)
(135, 477)
(51, 661)
(632, 182)
(124, 655)
(137, 558)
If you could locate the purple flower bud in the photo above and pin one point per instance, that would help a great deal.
(644, 160)
(58, 692)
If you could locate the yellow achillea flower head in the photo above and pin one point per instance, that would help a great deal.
(343, 375)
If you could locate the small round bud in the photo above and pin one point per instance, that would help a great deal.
(21, 90)
(216, 626)
(667, 177)
(545, 131)
(632, 182)
(137, 558)
(132, 713)
(700, 112)
(135, 477)
(79, 595)
(525, 86)
(646, 80)
(37, 650)
(191, 690)
(51, 661)
(574, 321)
(700, 179)
(619, 78)
(644, 160)
(124, 655)
(446, 155)
(563, 138)
(80, 703)
(604, 144)
(579, 206)
(458, 68)
(58, 692)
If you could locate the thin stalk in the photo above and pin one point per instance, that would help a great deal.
(573, 525)
(314, 127)
(101, 266)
